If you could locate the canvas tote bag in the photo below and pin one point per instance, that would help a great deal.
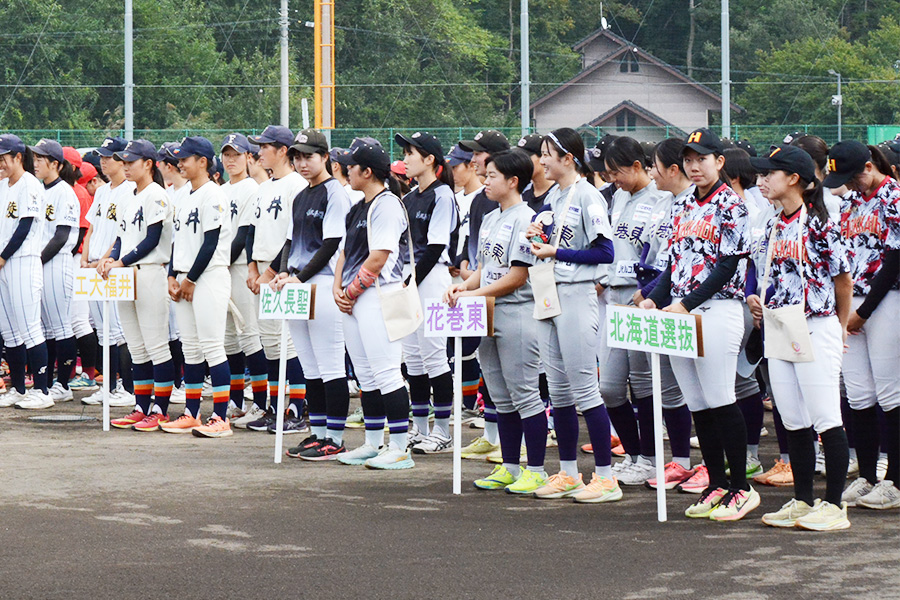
(543, 275)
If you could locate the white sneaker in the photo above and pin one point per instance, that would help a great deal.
(477, 423)
(94, 399)
(883, 496)
(254, 414)
(820, 461)
(177, 396)
(248, 392)
(856, 490)
(853, 467)
(637, 474)
(353, 388)
(695, 442)
(391, 458)
(11, 397)
(207, 387)
(35, 400)
(233, 412)
(621, 466)
(415, 436)
(434, 444)
(824, 516)
(881, 467)
(121, 398)
(358, 456)
(60, 394)
(763, 432)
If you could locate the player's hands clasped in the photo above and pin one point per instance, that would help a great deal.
(344, 303)
(281, 280)
(174, 289)
(455, 292)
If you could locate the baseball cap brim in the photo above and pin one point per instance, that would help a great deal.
(259, 140)
(472, 146)
(345, 159)
(453, 161)
(404, 141)
(127, 156)
(763, 164)
(699, 149)
(105, 152)
(305, 149)
(837, 179)
(233, 147)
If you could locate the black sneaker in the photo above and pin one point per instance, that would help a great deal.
(263, 423)
(324, 450)
(304, 445)
(291, 425)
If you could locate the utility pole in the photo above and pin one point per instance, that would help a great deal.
(726, 71)
(524, 63)
(285, 70)
(129, 71)
(838, 100)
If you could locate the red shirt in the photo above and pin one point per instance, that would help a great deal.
(85, 200)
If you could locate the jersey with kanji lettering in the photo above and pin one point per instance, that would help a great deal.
(433, 219)
(320, 213)
(104, 218)
(22, 200)
(61, 207)
(823, 258)
(631, 216)
(870, 225)
(272, 214)
(147, 207)
(241, 198)
(502, 244)
(658, 232)
(388, 233)
(703, 229)
(200, 211)
(478, 209)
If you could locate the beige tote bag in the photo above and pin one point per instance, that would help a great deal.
(543, 276)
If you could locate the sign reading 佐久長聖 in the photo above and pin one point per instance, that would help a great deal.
(295, 301)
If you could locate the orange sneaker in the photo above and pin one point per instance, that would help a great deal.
(783, 477)
(587, 448)
(215, 428)
(618, 450)
(150, 422)
(183, 424)
(560, 485)
(128, 420)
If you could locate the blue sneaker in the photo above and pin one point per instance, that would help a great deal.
(82, 383)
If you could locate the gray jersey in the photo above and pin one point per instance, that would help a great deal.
(630, 217)
(502, 242)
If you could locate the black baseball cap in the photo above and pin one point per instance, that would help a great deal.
(274, 134)
(789, 138)
(362, 141)
(422, 140)
(790, 159)
(366, 155)
(487, 140)
(137, 150)
(845, 159)
(703, 141)
(48, 147)
(111, 145)
(597, 154)
(747, 147)
(194, 145)
(531, 143)
(310, 141)
(237, 142)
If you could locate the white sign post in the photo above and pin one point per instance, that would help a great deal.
(118, 287)
(471, 317)
(295, 301)
(656, 332)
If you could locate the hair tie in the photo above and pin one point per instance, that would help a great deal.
(440, 170)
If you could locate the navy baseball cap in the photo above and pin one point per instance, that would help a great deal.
(111, 145)
(274, 134)
(137, 150)
(597, 154)
(165, 153)
(790, 159)
(335, 152)
(458, 156)
(11, 144)
(845, 160)
(366, 155)
(487, 140)
(51, 148)
(194, 145)
(236, 141)
(422, 140)
(703, 141)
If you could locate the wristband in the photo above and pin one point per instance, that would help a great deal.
(363, 280)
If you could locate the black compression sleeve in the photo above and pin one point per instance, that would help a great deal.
(18, 237)
(56, 243)
(320, 259)
(286, 256)
(82, 231)
(154, 234)
(251, 235)
(661, 294)
(429, 258)
(205, 254)
(519, 263)
(239, 243)
(725, 269)
(881, 284)
(276, 263)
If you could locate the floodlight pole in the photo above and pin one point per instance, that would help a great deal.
(838, 100)
(324, 64)
(726, 71)
(129, 70)
(285, 71)
(524, 63)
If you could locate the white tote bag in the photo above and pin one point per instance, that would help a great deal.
(543, 275)
(786, 331)
(402, 308)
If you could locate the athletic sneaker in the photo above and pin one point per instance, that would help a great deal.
(616, 450)
(304, 445)
(763, 432)
(207, 390)
(672, 476)
(262, 423)
(35, 400)
(215, 427)
(695, 442)
(291, 425)
(59, 393)
(179, 396)
(788, 514)
(754, 466)
(356, 420)
(120, 397)
(255, 413)
(697, 483)
(637, 474)
(600, 489)
(11, 397)
(527, 482)
(587, 448)
(151, 422)
(327, 449)
(414, 436)
(496, 456)
(622, 466)
(735, 505)
(856, 490)
(468, 415)
(825, 516)
(883, 496)
(853, 467)
(881, 468)
(560, 486)
(183, 424)
(434, 444)
(234, 411)
(127, 421)
(479, 448)
(391, 458)
(709, 500)
(499, 479)
(477, 423)
(94, 399)
(358, 456)
(778, 467)
(82, 383)
(353, 388)
(552, 442)
(820, 460)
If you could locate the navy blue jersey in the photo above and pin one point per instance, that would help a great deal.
(434, 218)
(479, 208)
(319, 213)
(388, 233)
(535, 202)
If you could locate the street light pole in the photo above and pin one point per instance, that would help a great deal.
(837, 100)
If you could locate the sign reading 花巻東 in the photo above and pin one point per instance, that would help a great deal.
(654, 331)
(471, 317)
(295, 301)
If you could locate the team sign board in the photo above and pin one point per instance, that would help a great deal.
(654, 331)
(118, 287)
(471, 317)
(295, 301)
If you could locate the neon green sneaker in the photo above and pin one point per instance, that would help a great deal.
(479, 448)
(527, 482)
(497, 456)
(499, 478)
(708, 501)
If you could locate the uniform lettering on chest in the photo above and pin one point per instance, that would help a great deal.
(193, 219)
(275, 206)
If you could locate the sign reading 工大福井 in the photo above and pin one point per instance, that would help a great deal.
(90, 285)
(654, 331)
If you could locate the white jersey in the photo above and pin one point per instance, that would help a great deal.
(178, 194)
(22, 200)
(273, 214)
(147, 207)
(241, 197)
(354, 195)
(201, 211)
(61, 207)
(103, 216)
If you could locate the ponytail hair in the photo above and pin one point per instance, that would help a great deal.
(880, 161)
(669, 152)
(566, 140)
(814, 199)
(67, 172)
(442, 171)
(27, 159)
(156, 174)
(384, 175)
(737, 166)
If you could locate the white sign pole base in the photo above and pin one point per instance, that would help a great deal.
(457, 415)
(658, 440)
(282, 384)
(107, 376)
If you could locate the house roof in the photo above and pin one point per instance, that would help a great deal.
(626, 46)
(638, 110)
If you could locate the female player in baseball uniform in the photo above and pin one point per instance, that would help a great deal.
(60, 236)
(510, 359)
(807, 393)
(244, 349)
(367, 256)
(870, 226)
(568, 342)
(200, 285)
(265, 240)
(318, 226)
(145, 243)
(21, 275)
(707, 253)
(434, 221)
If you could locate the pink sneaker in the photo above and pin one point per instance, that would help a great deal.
(673, 475)
(698, 482)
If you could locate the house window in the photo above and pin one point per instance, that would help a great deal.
(629, 63)
(626, 121)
